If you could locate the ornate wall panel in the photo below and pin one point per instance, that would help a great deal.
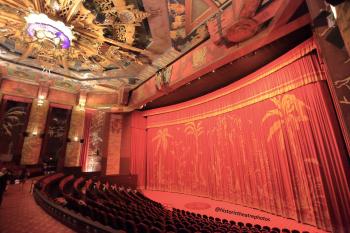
(75, 134)
(95, 154)
(36, 128)
(13, 122)
(114, 144)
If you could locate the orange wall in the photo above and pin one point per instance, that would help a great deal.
(19, 89)
(62, 97)
(98, 99)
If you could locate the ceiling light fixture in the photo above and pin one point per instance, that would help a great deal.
(40, 27)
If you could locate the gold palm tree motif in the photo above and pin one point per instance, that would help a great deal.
(290, 112)
(195, 129)
(162, 139)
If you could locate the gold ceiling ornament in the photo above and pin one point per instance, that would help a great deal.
(78, 35)
(163, 78)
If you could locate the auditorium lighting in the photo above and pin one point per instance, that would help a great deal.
(334, 11)
(42, 28)
(41, 100)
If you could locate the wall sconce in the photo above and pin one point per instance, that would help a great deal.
(35, 133)
(76, 139)
(334, 12)
(41, 100)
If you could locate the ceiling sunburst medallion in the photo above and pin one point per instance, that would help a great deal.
(78, 35)
(41, 28)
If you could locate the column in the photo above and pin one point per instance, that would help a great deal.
(75, 136)
(35, 129)
(113, 147)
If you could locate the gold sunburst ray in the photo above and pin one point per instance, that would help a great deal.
(75, 18)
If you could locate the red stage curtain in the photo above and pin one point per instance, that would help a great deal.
(270, 141)
(138, 148)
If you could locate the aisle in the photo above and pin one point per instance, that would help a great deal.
(20, 214)
(225, 210)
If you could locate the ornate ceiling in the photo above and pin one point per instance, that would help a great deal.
(81, 40)
(116, 45)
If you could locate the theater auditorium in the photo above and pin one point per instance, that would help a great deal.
(174, 116)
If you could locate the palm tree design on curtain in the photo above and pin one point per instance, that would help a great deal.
(290, 112)
(196, 130)
(162, 139)
(162, 143)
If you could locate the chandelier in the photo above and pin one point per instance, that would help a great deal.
(40, 28)
(78, 35)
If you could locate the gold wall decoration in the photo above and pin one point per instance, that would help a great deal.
(163, 78)
(76, 131)
(199, 57)
(36, 126)
(290, 112)
(114, 144)
(75, 35)
(161, 140)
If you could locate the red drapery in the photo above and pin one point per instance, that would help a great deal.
(270, 141)
(137, 125)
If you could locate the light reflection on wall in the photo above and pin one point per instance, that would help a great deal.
(93, 163)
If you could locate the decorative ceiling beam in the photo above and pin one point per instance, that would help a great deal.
(6, 17)
(116, 43)
(27, 52)
(249, 8)
(236, 8)
(87, 48)
(219, 56)
(286, 10)
(38, 5)
(64, 63)
(142, 51)
(17, 4)
(73, 10)
(269, 11)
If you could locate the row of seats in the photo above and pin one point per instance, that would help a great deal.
(130, 211)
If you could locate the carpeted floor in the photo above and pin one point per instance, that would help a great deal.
(20, 214)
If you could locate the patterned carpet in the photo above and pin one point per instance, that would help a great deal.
(20, 214)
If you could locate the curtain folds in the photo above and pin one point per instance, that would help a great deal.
(138, 148)
(270, 141)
